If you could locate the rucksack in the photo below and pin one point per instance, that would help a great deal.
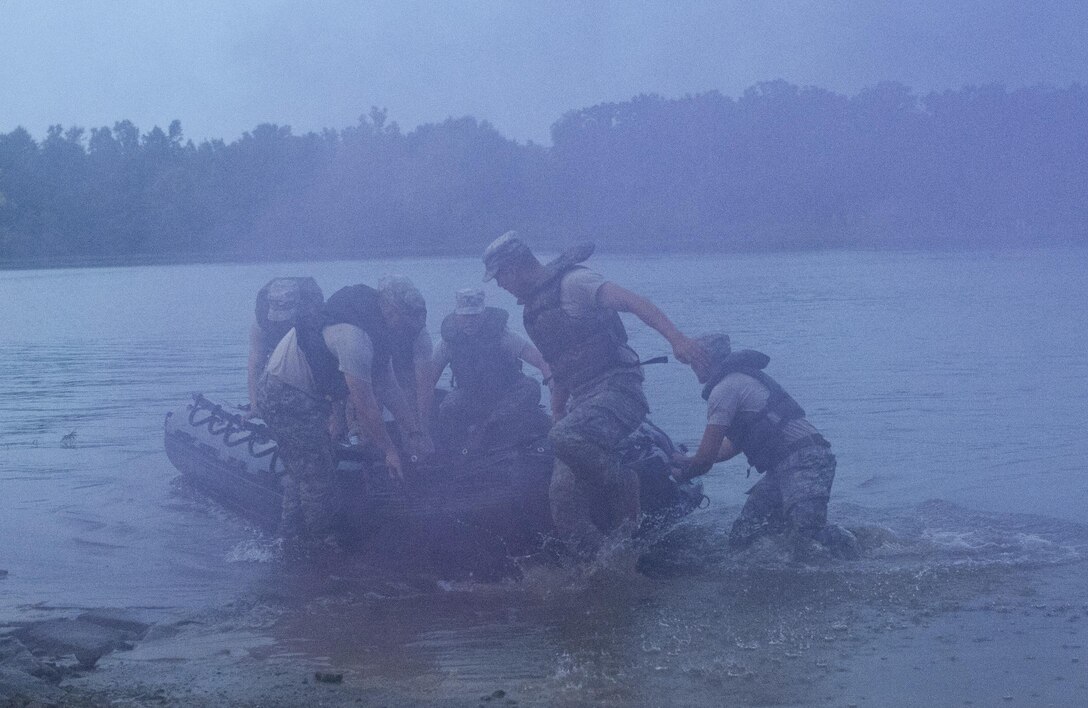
(284, 303)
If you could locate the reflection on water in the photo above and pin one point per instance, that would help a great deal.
(953, 377)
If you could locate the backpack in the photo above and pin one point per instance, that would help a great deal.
(284, 303)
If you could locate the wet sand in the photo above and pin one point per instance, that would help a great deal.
(837, 634)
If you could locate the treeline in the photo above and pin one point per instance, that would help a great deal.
(781, 166)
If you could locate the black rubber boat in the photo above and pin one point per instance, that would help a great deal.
(493, 501)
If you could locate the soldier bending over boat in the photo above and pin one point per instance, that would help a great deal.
(350, 352)
(749, 412)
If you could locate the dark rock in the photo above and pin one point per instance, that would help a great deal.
(132, 622)
(88, 641)
(328, 677)
(20, 689)
(14, 655)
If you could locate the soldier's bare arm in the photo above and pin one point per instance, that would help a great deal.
(621, 299)
(253, 368)
(369, 412)
(559, 397)
(710, 449)
(532, 356)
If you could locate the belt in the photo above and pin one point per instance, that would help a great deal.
(814, 440)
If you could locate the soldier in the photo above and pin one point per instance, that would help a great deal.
(571, 315)
(281, 304)
(350, 353)
(747, 411)
(488, 384)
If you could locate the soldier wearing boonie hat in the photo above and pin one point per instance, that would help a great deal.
(571, 315)
(488, 386)
(749, 412)
(367, 344)
(470, 301)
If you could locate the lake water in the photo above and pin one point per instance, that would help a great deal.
(953, 386)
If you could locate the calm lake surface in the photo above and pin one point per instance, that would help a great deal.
(953, 387)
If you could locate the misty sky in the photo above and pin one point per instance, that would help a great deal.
(224, 66)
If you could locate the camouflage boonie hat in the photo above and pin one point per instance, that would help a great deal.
(470, 301)
(400, 292)
(501, 252)
(283, 299)
(717, 346)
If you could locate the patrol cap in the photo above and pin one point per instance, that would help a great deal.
(470, 301)
(504, 250)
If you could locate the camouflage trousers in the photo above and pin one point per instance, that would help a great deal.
(791, 498)
(591, 493)
(464, 418)
(299, 424)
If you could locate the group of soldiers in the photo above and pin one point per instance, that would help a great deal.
(365, 349)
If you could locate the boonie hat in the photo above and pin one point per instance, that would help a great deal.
(470, 301)
(501, 252)
(717, 346)
(283, 298)
(399, 291)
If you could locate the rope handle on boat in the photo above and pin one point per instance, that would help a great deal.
(234, 429)
(220, 422)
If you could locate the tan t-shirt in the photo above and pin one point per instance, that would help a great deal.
(354, 350)
(352, 347)
(578, 298)
(739, 392)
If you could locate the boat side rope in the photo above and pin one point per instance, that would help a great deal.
(230, 427)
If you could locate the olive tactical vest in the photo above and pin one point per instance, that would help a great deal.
(357, 305)
(759, 435)
(479, 364)
(577, 350)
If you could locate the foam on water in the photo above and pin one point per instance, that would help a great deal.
(255, 550)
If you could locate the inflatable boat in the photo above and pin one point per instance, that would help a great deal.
(489, 501)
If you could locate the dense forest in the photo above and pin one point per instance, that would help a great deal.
(781, 166)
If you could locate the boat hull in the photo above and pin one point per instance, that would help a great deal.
(466, 507)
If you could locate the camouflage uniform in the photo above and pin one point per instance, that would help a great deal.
(589, 489)
(765, 423)
(299, 423)
(792, 497)
(585, 345)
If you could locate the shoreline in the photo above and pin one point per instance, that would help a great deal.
(1013, 636)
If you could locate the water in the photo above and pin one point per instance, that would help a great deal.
(953, 387)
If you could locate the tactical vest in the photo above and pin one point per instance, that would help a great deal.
(478, 361)
(577, 350)
(759, 435)
(356, 305)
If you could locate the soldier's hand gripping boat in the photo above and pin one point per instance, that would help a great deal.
(492, 501)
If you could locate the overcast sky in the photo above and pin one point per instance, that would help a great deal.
(224, 66)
